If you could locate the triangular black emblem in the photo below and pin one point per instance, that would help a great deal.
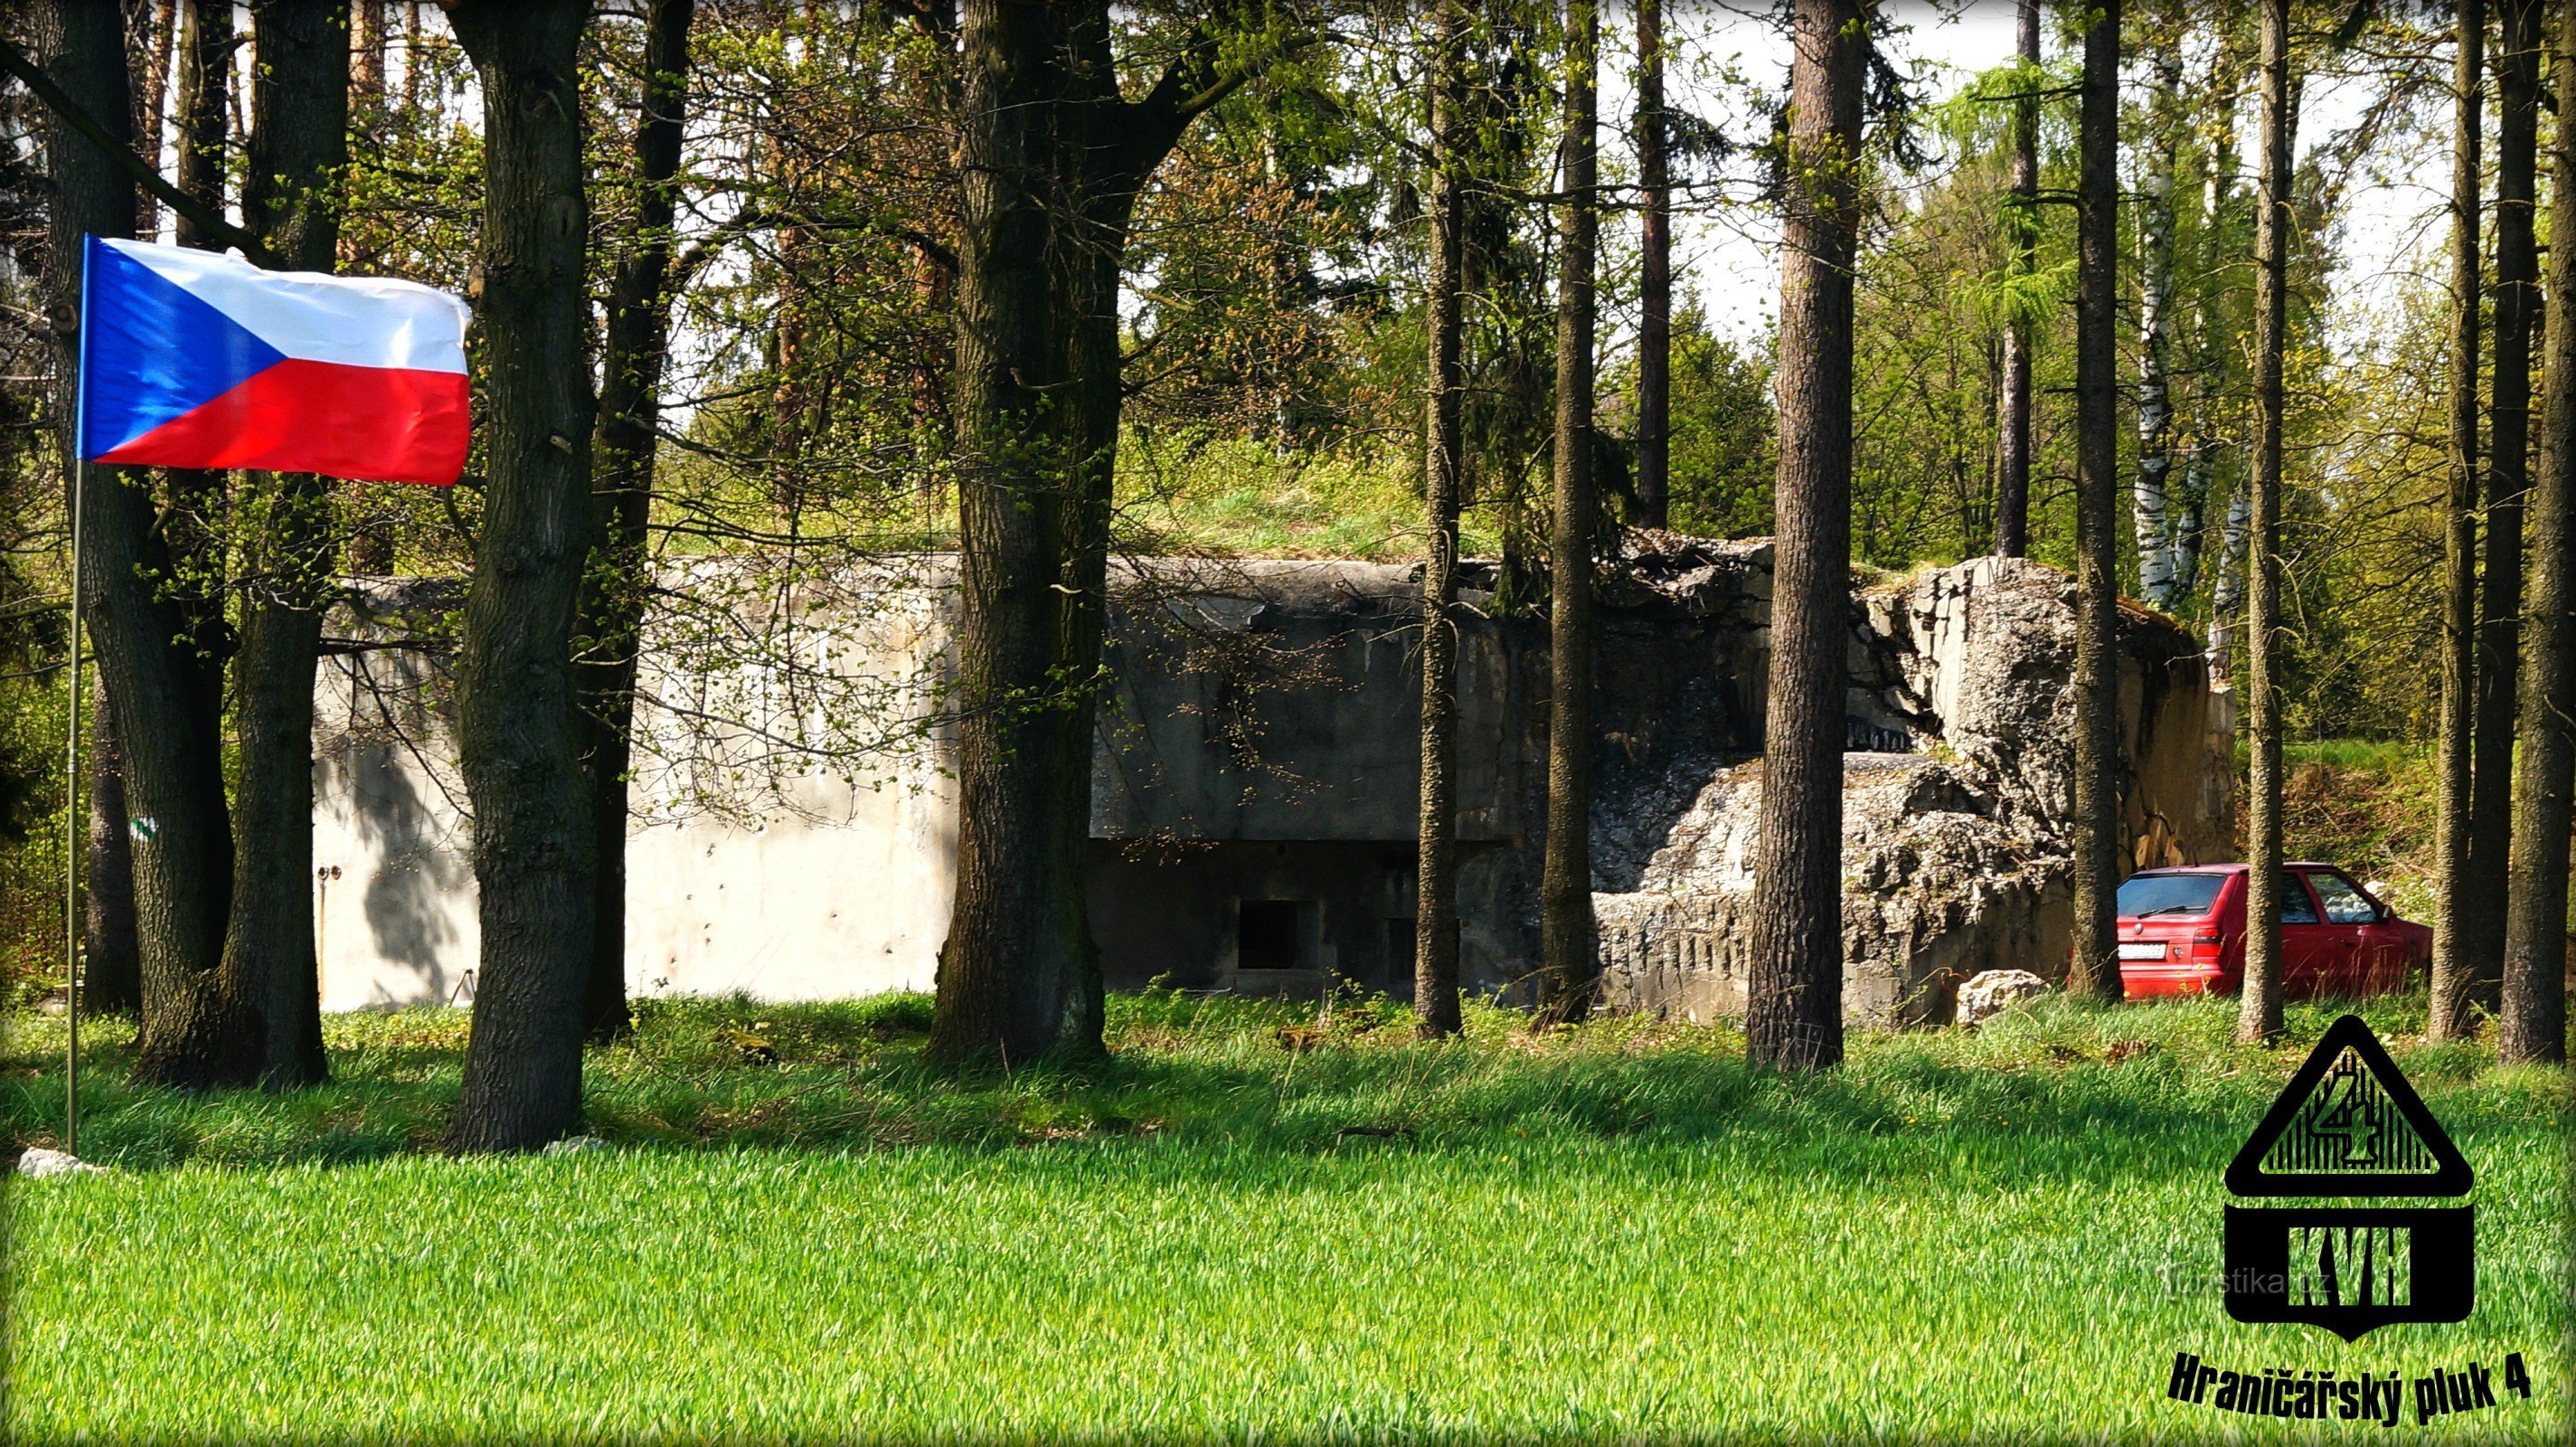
(2348, 1124)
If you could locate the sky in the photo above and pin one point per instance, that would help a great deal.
(1728, 255)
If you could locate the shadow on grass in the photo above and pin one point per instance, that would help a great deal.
(2059, 1092)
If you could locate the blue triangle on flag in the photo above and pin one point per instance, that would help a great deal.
(154, 351)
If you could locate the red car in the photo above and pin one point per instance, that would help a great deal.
(2182, 932)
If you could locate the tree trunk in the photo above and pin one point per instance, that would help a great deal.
(518, 723)
(2208, 454)
(1051, 160)
(2454, 933)
(1435, 922)
(205, 82)
(1002, 969)
(2258, 1015)
(2227, 592)
(195, 527)
(367, 54)
(2012, 428)
(2516, 309)
(1795, 1006)
(1122, 145)
(2160, 580)
(298, 142)
(112, 970)
(193, 1033)
(2534, 1029)
(2095, 970)
(630, 419)
(151, 85)
(1568, 965)
(1654, 277)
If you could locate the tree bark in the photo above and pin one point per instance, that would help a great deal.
(195, 527)
(2012, 428)
(151, 83)
(1122, 146)
(2161, 583)
(1654, 276)
(298, 142)
(2095, 970)
(518, 724)
(2516, 310)
(2227, 591)
(630, 419)
(1795, 1008)
(178, 821)
(1569, 967)
(367, 54)
(112, 969)
(1051, 159)
(205, 46)
(2534, 1028)
(2258, 1016)
(1435, 926)
(2214, 349)
(2454, 933)
(998, 981)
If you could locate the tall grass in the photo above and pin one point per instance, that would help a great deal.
(1249, 1223)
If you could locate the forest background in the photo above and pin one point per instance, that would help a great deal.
(1274, 331)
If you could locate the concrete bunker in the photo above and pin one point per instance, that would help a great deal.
(1254, 784)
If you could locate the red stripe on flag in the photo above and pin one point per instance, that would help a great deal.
(375, 424)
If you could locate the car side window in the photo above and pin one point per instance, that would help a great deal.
(2296, 907)
(2344, 902)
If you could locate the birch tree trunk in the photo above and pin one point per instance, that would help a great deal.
(2206, 451)
(2012, 428)
(2227, 592)
(2158, 538)
(1794, 1000)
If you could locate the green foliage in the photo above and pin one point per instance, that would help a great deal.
(1251, 1223)
(1724, 452)
(2369, 806)
(1221, 495)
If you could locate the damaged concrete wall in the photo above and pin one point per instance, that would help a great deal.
(1956, 848)
(795, 815)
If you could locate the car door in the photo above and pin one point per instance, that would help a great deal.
(2374, 954)
(2309, 954)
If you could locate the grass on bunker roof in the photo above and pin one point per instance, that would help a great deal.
(1248, 1222)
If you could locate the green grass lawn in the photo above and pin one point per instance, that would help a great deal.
(1618, 1233)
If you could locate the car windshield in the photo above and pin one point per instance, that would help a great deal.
(2174, 895)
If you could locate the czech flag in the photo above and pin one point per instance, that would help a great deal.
(196, 359)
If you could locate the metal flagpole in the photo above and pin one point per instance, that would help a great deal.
(75, 840)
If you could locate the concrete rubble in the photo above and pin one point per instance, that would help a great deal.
(42, 1161)
(1990, 994)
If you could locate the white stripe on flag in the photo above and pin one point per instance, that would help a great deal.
(350, 320)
